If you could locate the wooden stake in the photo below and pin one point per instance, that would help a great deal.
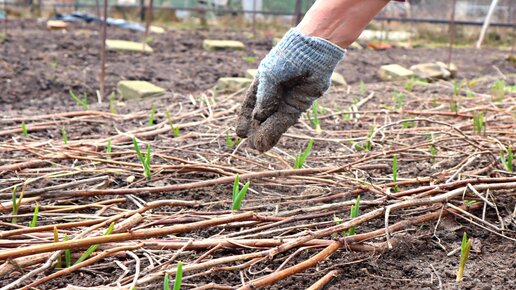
(452, 34)
(103, 29)
(487, 21)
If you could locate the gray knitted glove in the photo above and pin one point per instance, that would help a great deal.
(294, 74)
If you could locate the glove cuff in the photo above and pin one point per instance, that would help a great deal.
(308, 52)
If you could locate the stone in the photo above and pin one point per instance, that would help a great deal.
(251, 73)
(392, 35)
(338, 80)
(392, 72)
(451, 68)
(156, 29)
(124, 45)
(135, 90)
(222, 45)
(56, 24)
(356, 45)
(231, 85)
(430, 71)
(378, 45)
(512, 59)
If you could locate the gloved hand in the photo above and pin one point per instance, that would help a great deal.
(294, 74)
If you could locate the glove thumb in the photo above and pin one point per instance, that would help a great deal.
(268, 98)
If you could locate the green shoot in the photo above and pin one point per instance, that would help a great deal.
(315, 120)
(144, 160)
(230, 142)
(409, 84)
(354, 213)
(338, 220)
(59, 263)
(68, 254)
(399, 99)
(175, 129)
(34, 221)
(152, 115)
(498, 90)
(65, 135)
(479, 123)
(510, 89)
(24, 129)
(53, 64)
(92, 248)
(347, 116)
(301, 157)
(454, 105)
(108, 148)
(395, 171)
(435, 101)
(238, 194)
(148, 39)
(355, 100)
(464, 254)
(83, 102)
(112, 104)
(507, 162)
(249, 59)
(408, 124)
(166, 282)
(470, 202)
(457, 87)
(433, 152)
(16, 205)
(179, 276)
(368, 146)
(362, 88)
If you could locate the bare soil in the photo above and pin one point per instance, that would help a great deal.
(39, 67)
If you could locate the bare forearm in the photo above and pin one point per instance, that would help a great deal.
(340, 21)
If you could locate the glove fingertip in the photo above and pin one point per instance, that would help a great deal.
(269, 133)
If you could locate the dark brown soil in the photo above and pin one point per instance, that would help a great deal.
(39, 67)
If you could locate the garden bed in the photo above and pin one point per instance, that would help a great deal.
(447, 139)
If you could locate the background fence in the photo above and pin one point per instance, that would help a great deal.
(468, 12)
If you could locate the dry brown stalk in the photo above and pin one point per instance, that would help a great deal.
(85, 263)
(314, 260)
(140, 234)
(324, 280)
(103, 221)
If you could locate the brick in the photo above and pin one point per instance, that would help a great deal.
(251, 73)
(451, 68)
(512, 59)
(231, 85)
(222, 45)
(430, 71)
(338, 80)
(156, 29)
(123, 45)
(56, 24)
(379, 45)
(135, 90)
(392, 72)
(356, 45)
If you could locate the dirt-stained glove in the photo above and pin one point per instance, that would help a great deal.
(294, 74)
